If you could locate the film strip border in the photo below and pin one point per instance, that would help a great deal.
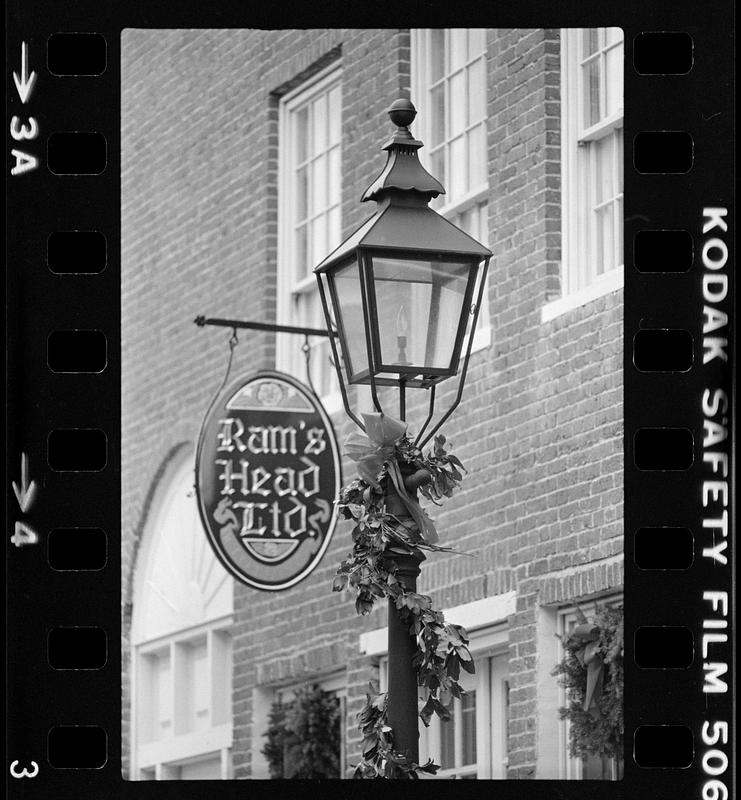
(678, 432)
(63, 562)
(63, 572)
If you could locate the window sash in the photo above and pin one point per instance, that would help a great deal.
(490, 689)
(452, 118)
(592, 225)
(576, 768)
(466, 205)
(336, 686)
(309, 224)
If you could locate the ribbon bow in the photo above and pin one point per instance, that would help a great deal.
(370, 452)
(585, 641)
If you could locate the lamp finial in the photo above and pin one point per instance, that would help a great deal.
(403, 172)
(402, 112)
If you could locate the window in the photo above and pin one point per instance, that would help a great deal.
(593, 767)
(473, 743)
(336, 687)
(591, 162)
(181, 655)
(309, 217)
(263, 698)
(449, 90)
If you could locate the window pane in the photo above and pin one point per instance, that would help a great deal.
(457, 117)
(468, 728)
(468, 221)
(457, 55)
(162, 688)
(447, 743)
(603, 163)
(205, 769)
(614, 79)
(437, 168)
(590, 74)
(334, 177)
(603, 207)
(604, 239)
(590, 39)
(320, 370)
(301, 252)
(302, 192)
(199, 687)
(335, 115)
(318, 242)
(334, 234)
(437, 115)
(319, 185)
(457, 179)
(483, 236)
(476, 42)
(302, 134)
(476, 92)
(436, 54)
(597, 768)
(319, 126)
(477, 171)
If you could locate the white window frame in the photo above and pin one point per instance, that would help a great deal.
(477, 196)
(160, 759)
(163, 757)
(486, 623)
(580, 285)
(289, 356)
(264, 696)
(572, 768)
(553, 760)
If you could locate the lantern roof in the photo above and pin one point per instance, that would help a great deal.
(399, 228)
(403, 220)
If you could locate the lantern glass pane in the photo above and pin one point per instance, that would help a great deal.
(419, 305)
(350, 319)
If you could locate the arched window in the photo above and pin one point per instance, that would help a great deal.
(181, 643)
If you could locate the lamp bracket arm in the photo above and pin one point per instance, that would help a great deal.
(271, 327)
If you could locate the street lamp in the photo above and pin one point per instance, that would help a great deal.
(403, 293)
(404, 290)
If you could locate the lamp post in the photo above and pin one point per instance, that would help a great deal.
(403, 293)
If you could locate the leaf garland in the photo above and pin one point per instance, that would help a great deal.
(591, 671)
(370, 573)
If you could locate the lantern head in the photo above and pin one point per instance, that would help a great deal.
(400, 290)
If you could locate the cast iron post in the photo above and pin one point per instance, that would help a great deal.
(402, 647)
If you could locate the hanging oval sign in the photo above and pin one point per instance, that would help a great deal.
(267, 476)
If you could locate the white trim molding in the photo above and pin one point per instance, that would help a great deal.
(605, 284)
(472, 616)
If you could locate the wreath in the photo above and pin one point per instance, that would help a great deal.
(591, 671)
(387, 455)
(303, 737)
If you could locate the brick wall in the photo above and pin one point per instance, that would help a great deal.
(540, 426)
